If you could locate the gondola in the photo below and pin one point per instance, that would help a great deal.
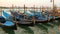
(52, 17)
(40, 17)
(19, 18)
(6, 22)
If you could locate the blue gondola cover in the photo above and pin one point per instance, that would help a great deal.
(8, 23)
(6, 15)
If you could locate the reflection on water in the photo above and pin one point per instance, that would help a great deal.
(26, 30)
(8, 31)
(50, 27)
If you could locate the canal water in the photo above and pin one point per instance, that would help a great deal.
(52, 27)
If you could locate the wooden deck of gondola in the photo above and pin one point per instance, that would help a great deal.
(41, 21)
(37, 21)
(25, 22)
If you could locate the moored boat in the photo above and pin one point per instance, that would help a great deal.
(6, 22)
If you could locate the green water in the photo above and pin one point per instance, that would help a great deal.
(39, 28)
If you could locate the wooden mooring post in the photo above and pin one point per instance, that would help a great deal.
(48, 17)
(24, 12)
(34, 15)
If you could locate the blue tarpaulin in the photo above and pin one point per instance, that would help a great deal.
(18, 16)
(7, 16)
(8, 23)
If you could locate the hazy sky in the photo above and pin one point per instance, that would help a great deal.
(28, 2)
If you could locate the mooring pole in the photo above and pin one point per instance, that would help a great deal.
(48, 17)
(13, 7)
(53, 4)
(34, 15)
(53, 10)
(40, 9)
(24, 11)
